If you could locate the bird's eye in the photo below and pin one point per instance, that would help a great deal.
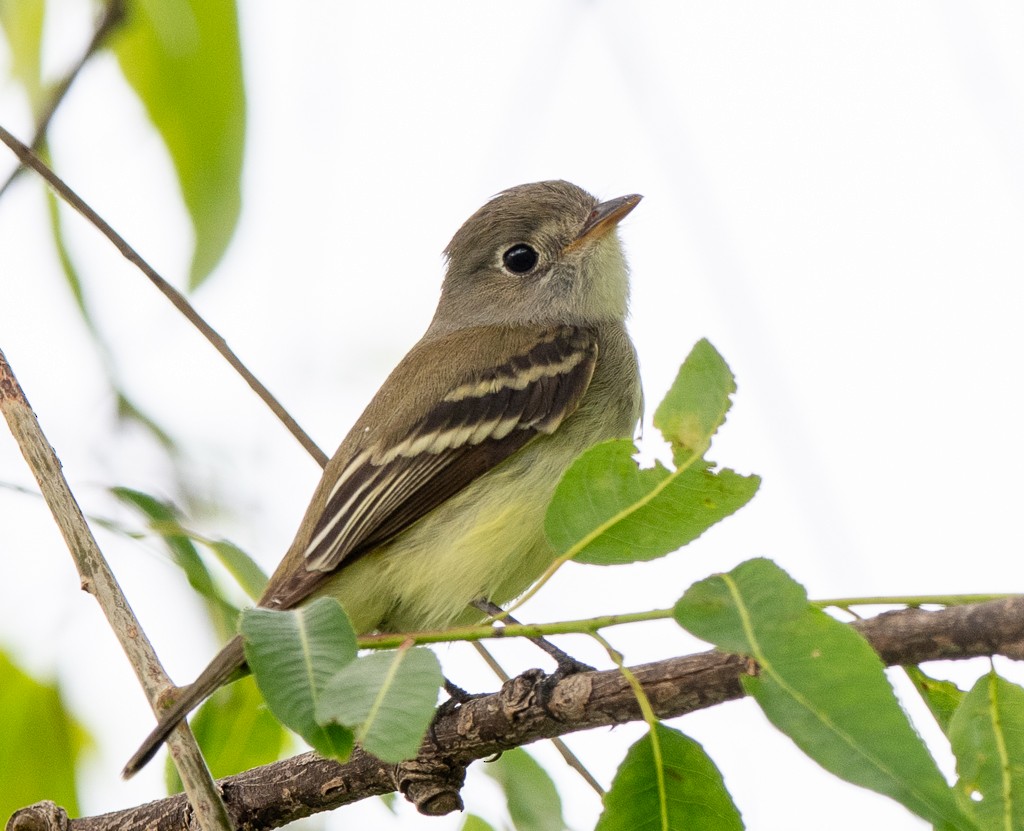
(520, 258)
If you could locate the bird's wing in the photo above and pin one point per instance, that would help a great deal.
(534, 379)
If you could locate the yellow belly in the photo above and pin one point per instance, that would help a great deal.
(488, 540)
(474, 546)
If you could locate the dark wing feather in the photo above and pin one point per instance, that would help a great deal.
(479, 422)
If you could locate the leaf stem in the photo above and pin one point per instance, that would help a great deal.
(912, 601)
(652, 724)
(486, 631)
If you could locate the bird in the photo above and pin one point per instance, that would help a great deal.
(436, 497)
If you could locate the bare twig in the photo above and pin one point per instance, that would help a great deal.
(98, 580)
(110, 19)
(525, 711)
(29, 159)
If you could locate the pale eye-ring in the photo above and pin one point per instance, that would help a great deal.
(520, 258)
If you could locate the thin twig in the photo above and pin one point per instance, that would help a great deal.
(98, 580)
(113, 15)
(29, 159)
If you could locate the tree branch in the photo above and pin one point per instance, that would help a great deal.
(98, 580)
(533, 707)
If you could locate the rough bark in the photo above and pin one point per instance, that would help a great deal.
(532, 707)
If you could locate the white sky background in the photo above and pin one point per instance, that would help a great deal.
(834, 196)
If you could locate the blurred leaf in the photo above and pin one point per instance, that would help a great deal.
(71, 274)
(293, 655)
(22, 22)
(695, 795)
(821, 684)
(942, 697)
(474, 823)
(987, 735)
(241, 566)
(127, 410)
(164, 521)
(607, 510)
(236, 731)
(387, 698)
(183, 59)
(533, 801)
(40, 743)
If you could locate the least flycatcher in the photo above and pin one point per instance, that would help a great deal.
(436, 498)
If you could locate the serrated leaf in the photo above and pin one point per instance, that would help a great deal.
(987, 735)
(941, 697)
(697, 402)
(293, 654)
(22, 22)
(236, 731)
(183, 59)
(695, 798)
(40, 742)
(533, 801)
(821, 684)
(387, 698)
(613, 512)
(606, 510)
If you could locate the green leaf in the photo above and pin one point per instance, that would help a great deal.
(293, 654)
(241, 566)
(388, 699)
(474, 823)
(942, 697)
(183, 59)
(164, 520)
(612, 512)
(607, 510)
(533, 801)
(71, 274)
(22, 22)
(987, 734)
(40, 743)
(127, 410)
(236, 732)
(695, 798)
(821, 684)
(697, 402)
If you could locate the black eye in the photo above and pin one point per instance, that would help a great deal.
(520, 258)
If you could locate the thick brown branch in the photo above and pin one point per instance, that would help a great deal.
(526, 710)
(910, 636)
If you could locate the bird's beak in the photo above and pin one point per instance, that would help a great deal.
(603, 218)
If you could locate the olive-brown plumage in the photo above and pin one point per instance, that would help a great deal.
(436, 497)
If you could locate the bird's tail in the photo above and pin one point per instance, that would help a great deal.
(219, 671)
